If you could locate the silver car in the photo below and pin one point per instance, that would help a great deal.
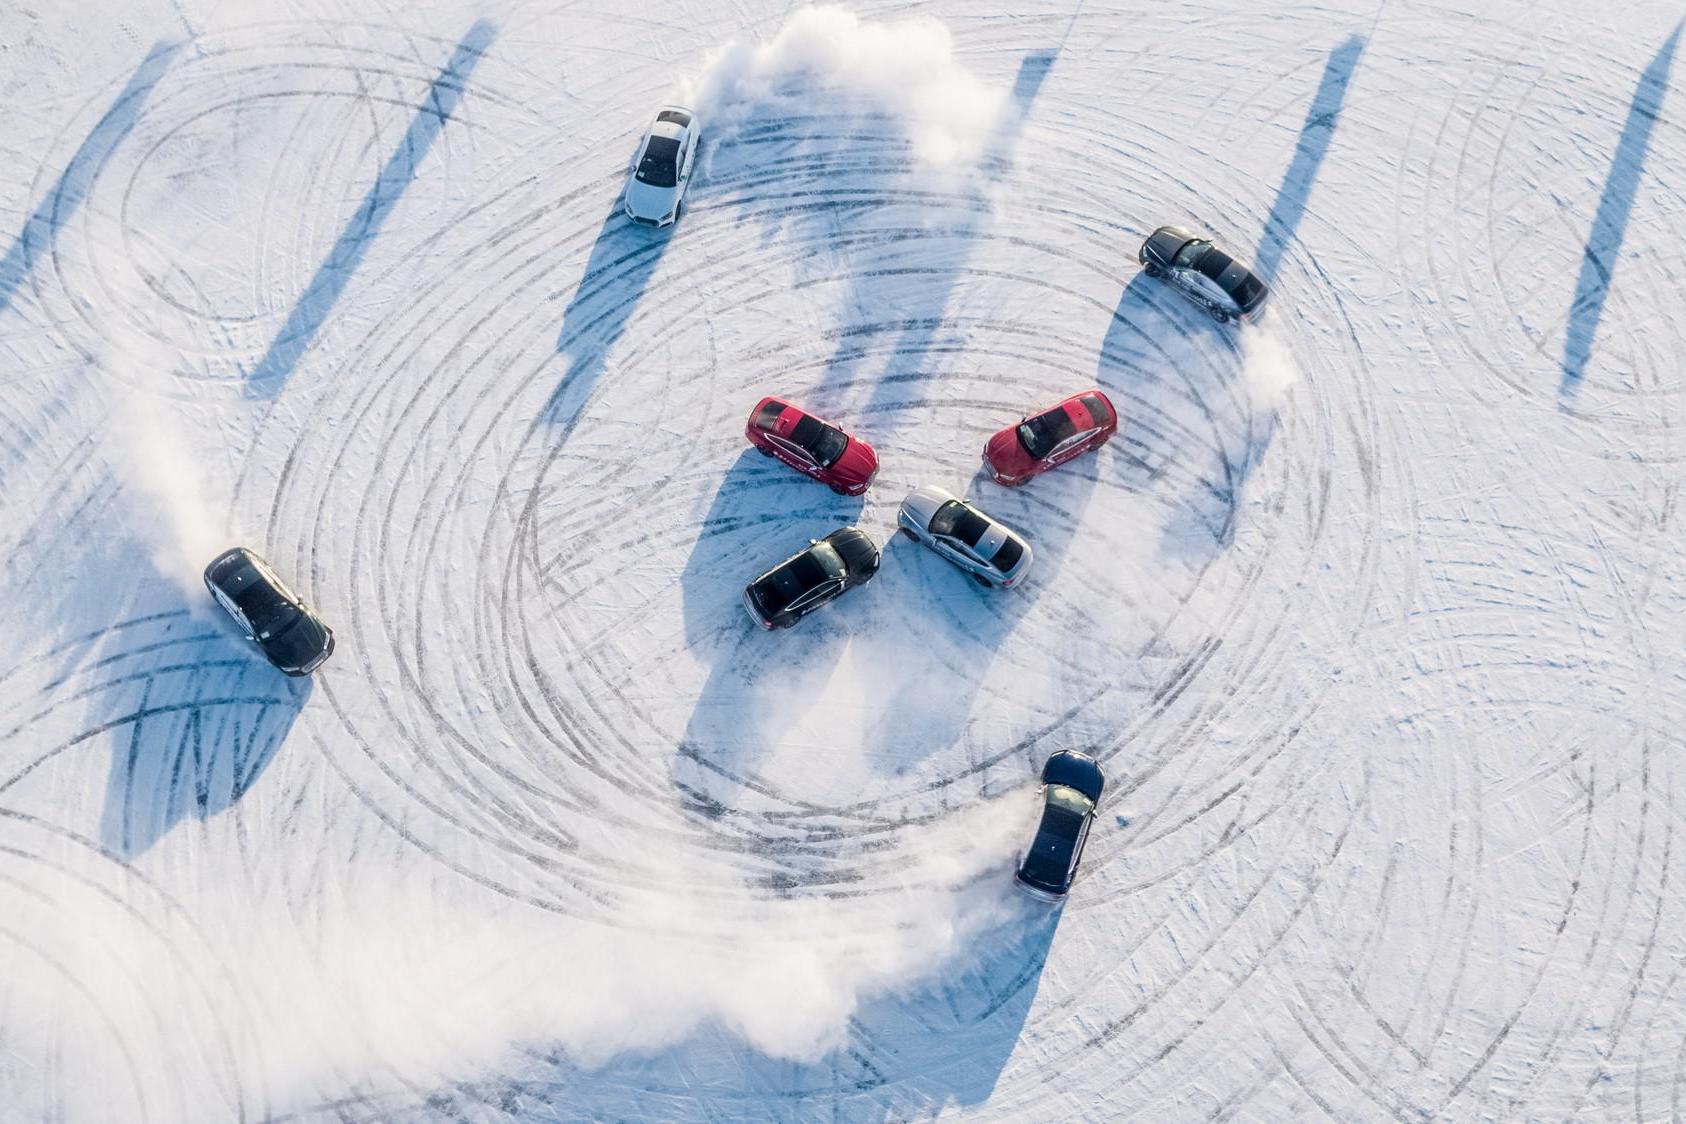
(661, 168)
(992, 552)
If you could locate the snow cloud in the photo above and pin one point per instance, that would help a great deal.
(170, 490)
(403, 987)
(826, 59)
(1267, 368)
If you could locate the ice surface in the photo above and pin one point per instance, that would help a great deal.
(1372, 612)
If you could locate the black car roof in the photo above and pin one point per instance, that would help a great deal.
(1048, 861)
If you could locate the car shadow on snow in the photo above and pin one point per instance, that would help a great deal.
(1190, 432)
(762, 512)
(61, 201)
(931, 635)
(316, 303)
(1609, 224)
(617, 273)
(194, 715)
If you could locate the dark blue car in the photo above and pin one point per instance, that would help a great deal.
(1071, 790)
(283, 627)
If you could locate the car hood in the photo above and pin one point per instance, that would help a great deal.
(858, 461)
(1166, 241)
(922, 503)
(858, 552)
(649, 202)
(1006, 455)
(298, 645)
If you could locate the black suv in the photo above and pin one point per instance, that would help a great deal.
(271, 615)
(1224, 287)
(803, 582)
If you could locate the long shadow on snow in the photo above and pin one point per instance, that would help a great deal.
(932, 634)
(1189, 435)
(762, 513)
(1609, 225)
(917, 313)
(622, 262)
(319, 297)
(73, 184)
(845, 181)
(1315, 135)
(195, 714)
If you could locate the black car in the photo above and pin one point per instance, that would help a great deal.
(1071, 788)
(803, 582)
(271, 615)
(1223, 286)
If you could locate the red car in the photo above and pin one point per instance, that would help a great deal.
(1036, 444)
(811, 446)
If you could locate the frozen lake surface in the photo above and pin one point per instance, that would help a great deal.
(1373, 612)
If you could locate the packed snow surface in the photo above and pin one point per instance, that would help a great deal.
(1373, 612)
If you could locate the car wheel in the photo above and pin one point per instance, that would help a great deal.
(983, 581)
(763, 450)
(1152, 270)
(840, 489)
(908, 533)
(1219, 315)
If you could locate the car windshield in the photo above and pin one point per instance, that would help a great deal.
(1068, 799)
(955, 520)
(813, 567)
(826, 443)
(1189, 256)
(660, 166)
(1043, 433)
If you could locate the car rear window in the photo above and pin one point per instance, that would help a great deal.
(1007, 555)
(675, 117)
(1214, 262)
(768, 416)
(1248, 291)
(1097, 407)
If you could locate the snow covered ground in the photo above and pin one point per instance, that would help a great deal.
(1374, 614)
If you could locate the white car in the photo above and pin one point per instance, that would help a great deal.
(992, 552)
(662, 167)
